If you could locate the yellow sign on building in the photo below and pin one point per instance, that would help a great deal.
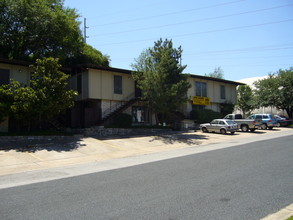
(198, 100)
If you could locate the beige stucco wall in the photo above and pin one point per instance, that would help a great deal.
(101, 85)
(17, 72)
(213, 92)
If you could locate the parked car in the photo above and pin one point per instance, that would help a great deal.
(220, 125)
(283, 121)
(244, 124)
(268, 120)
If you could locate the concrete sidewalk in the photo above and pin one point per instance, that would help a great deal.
(22, 157)
(25, 162)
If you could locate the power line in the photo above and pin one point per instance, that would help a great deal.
(129, 9)
(241, 50)
(166, 14)
(192, 21)
(232, 58)
(263, 48)
(202, 32)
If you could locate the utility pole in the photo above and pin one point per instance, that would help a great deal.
(84, 30)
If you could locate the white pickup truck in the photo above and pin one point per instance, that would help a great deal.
(244, 124)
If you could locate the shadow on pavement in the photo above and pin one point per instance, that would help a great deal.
(189, 139)
(31, 146)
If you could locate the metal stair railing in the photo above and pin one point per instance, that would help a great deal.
(118, 105)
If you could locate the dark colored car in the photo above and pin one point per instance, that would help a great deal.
(283, 121)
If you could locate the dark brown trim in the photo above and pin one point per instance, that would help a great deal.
(216, 79)
(83, 67)
(15, 62)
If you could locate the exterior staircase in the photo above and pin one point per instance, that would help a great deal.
(109, 115)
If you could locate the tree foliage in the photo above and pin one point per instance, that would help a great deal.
(276, 90)
(245, 99)
(42, 28)
(50, 86)
(45, 97)
(159, 75)
(218, 73)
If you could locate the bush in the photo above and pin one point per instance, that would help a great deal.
(226, 108)
(122, 120)
(204, 116)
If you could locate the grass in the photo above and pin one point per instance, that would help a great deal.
(291, 218)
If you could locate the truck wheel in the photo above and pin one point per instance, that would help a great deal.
(223, 131)
(244, 128)
(232, 132)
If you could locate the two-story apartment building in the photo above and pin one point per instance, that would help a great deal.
(210, 93)
(104, 91)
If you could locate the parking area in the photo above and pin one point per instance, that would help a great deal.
(23, 156)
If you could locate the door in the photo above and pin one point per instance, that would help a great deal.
(214, 125)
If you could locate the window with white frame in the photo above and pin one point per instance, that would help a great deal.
(117, 84)
(201, 89)
(223, 92)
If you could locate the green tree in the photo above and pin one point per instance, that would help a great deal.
(17, 101)
(42, 28)
(50, 86)
(218, 73)
(158, 73)
(277, 90)
(245, 99)
(90, 55)
(46, 97)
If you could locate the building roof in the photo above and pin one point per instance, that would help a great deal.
(97, 67)
(216, 79)
(15, 62)
(82, 67)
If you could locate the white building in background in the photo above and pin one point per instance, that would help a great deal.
(262, 110)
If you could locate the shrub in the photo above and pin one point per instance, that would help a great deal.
(122, 120)
(226, 108)
(205, 115)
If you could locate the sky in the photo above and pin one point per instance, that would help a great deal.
(245, 38)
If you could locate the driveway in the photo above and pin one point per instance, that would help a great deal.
(28, 156)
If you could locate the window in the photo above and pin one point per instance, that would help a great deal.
(4, 77)
(198, 107)
(257, 117)
(223, 92)
(215, 122)
(201, 89)
(117, 84)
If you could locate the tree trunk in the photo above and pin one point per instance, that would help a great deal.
(289, 112)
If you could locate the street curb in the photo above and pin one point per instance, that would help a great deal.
(283, 214)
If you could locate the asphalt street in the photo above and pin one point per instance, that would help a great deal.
(243, 182)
